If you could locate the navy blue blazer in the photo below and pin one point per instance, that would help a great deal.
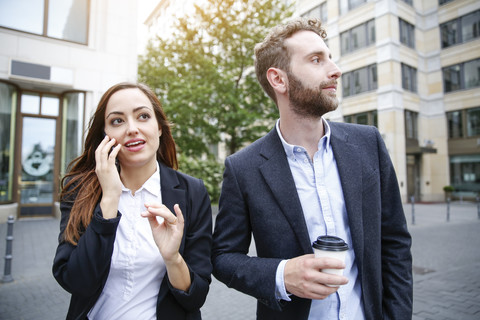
(259, 197)
(83, 269)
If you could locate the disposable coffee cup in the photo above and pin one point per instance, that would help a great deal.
(330, 247)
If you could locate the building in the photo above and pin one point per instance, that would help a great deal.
(411, 68)
(56, 60)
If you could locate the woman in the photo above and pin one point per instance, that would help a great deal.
(135, 234)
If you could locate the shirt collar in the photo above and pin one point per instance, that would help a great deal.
(289, 148)
(152, 184)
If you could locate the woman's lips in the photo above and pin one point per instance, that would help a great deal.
(134, 145)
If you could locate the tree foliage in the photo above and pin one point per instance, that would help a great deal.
(203, 72)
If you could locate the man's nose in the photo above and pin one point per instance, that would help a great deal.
(334, 71)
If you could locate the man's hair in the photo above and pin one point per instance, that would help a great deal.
(272, 52)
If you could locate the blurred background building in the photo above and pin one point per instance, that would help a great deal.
(56, 59)
(412, 69)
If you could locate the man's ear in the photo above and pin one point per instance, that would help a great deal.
(278, 80)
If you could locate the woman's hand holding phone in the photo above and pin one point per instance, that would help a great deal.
(108, 176)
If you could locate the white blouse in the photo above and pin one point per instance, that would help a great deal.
(137, 268)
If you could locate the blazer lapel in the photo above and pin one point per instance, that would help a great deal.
(170, 189)
(349, 164)
(278, 177)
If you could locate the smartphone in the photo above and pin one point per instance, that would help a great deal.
(116, 160)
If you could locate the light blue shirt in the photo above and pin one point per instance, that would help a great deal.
(321, 196)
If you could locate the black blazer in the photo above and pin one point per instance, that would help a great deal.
(259, 197)
(83, 269)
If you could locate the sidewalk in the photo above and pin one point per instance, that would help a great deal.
(446, 270)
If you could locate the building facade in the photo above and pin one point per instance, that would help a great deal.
(56, 60)
(412, 69)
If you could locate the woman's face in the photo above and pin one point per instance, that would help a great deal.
(130, 119)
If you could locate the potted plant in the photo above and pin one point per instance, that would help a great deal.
(448, 192)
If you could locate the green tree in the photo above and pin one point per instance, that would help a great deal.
(203, 72)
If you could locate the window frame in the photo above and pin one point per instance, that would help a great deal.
(348, 5)
(461, 85)
(411, 125)
(321, 9)
(45, 23)
(407, 33)
(409, 78)
(457, 33)
(367, 35)
(463, 130)
(372, 118)
(348, 78)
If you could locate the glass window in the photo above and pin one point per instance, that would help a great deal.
(358, 37)
(371, 32)
(465, 172)
(30, 103)
(8, 103)
(472, 74)
(72, 124)
(345, 42)
(470, 26)
(462, 76)
(449, 33)
(473, 122)
(352, 4)
(346, 84)
(409, 78)
(50, 105)
(407, 33)
(362, 118)
(451, 78)
(455, 126)
(67, 19)
(360, 80)
(23, 15)
(319, 11)
(411, 124)
(372, 77)
(323, 12)
(347, 5)
(366, 118)
(461, 29)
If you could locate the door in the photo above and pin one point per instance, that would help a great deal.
(413, 177)
(36, 170)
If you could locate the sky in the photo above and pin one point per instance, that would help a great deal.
(145, 7)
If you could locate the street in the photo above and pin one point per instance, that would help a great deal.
(446, 270)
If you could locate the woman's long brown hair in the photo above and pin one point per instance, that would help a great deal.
(80, 185)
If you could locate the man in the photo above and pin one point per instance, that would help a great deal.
(306, 178)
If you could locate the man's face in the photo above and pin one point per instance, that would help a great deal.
(310, 102)
(312, 79)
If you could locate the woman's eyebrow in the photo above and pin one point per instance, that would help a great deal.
(122, 113)
(114, 113)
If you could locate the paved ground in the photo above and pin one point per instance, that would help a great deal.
(446, 263)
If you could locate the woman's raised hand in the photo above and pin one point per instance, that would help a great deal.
(167, 232)
(108, 176)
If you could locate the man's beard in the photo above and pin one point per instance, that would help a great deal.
(308, 102)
